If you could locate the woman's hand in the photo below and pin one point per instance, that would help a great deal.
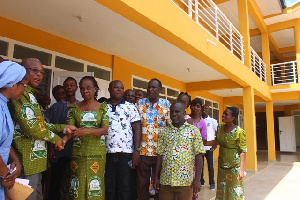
(15, 170)
(70, 129)
(241, 175)
(81, 132)
(7, 184)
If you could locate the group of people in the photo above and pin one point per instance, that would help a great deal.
(113, 148)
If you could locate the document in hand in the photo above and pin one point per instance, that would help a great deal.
(20, 191)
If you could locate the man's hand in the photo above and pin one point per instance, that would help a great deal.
(15, 170)
(135, 159)
(70, 129)
(156, 184)
(196, 187)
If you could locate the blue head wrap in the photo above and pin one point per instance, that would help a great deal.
(10, 73)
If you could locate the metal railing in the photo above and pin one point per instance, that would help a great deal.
(284, 73)
(207, 14)
(258, 66)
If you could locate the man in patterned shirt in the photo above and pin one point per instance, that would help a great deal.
(179, 145)
(123, 141)
(155, 116)
(32, 133)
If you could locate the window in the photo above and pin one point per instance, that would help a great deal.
(21, 52)
(214, 108)
(99, 73)
(67, 64)
(3, 48)
(168, 93)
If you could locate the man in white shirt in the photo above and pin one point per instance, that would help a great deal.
(212, 126)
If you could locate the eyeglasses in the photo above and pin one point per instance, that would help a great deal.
(24, 85)
(36, 71)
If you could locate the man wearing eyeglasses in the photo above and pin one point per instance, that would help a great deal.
(31, 131)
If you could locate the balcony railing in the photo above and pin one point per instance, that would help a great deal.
(258, 66)
(207, 14)
(284, 73)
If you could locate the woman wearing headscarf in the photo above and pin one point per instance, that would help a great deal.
(13, 83)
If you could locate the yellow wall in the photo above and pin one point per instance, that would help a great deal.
(288, 109)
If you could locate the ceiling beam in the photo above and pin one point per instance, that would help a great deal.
(257, 16)
(273, 15)
(212, 85)
(281, 96)
(254, 32)
(220, 1)
(287, 49)
(281, 26)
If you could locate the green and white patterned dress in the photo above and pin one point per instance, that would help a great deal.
(232, 144)
(88, 154)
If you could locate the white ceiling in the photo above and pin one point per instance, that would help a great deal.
(269, 7)
(228, 92)
(104, 30)
(256, 43)
(284, 38)
(230, 9)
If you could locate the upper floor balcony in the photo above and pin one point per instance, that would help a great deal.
(207, 14)
(284, 73)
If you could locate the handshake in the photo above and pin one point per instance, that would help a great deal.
(69, 131)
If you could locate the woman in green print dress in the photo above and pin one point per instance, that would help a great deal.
(89, 151)
(232, 141)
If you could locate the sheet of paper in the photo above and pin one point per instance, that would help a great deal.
(23, 181)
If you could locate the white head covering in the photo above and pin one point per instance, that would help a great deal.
(10, 73)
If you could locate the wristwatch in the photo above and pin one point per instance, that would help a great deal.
(138, 149)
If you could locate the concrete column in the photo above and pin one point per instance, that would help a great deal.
(266, 55)
(270, 130)
(297, 44)
(250, 129)
(244, 29)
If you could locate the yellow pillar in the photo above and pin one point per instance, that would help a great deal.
(249, 123)
(244, 29)
(266, 55)
(297, 44)
(270, 130)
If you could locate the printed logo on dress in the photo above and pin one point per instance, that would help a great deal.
(38, 149)
(184, 172)
(32, 98)
(73, 166)
(89, 119)
(237, 192)
(169, 170)
(76, 142)
(18, 131)
(175, 153)
(29, 114)
(95, 186)
(74, 186)
(95, 167)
